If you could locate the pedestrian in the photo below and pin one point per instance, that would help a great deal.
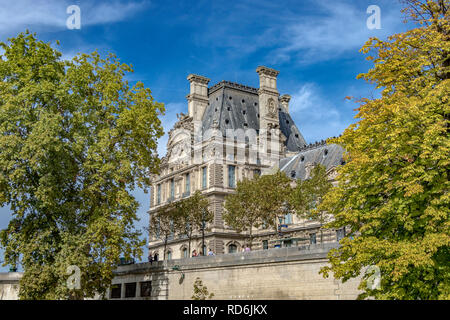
(247, 249)
(150, 258)
(194, 253)
(210, 252)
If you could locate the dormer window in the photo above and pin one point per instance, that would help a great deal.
(325, 152)
(293, 174)
(302, 158)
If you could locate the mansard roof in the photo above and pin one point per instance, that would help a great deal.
(328, 155)
(235, 106)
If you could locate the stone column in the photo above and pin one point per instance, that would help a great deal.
(285, 102)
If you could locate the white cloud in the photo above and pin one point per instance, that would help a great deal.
(340, 29)
(50, 15)
(315, 116)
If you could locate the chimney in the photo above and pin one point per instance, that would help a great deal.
(267, 78)
(285, 102)
(268, 98)
(198, 96)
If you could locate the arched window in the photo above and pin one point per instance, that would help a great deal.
(156, 256)
(185, 252)
(169, 255)
(232, 248)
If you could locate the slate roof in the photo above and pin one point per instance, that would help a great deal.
(235, 106)
(328, 155)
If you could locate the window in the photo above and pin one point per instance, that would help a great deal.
(130, 290)
(257, 172)
(169, 255)
(265, 244)
(116, 291)
(232, 248)
(185, 253)
(204, 174)
(288, 218)
(231, 176)
(188, 183)
(155, 257)
(146, 289)
(158, 229)
(287, 243)
(172, 230)
(158, 194)
(172, 189)
(340, 234)
(312, 238)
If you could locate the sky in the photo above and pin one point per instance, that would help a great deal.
(313, 43)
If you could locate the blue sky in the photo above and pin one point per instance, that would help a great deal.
(314, 44)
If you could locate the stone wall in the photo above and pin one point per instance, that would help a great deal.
(9, 285)
(284, 273)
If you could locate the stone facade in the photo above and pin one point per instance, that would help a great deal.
(285, 273)
(234, 131)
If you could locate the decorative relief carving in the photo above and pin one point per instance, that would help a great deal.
(271, 107)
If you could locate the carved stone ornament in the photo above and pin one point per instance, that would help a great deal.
(271, 108)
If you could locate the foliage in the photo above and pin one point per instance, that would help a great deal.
(201, 291)
(75, 139)
(193, 215)
(162, 225)
(393, 192)
(308, 194)
(257, 202)
(183, 217)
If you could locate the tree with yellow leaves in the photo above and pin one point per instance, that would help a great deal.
(393, 192)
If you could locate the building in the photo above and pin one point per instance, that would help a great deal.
(232, 131)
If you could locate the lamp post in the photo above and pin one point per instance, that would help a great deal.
(280, 219)
(203, 232)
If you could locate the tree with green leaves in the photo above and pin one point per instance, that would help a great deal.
(257, 202)
(75, 140)
(307, 195)
(163, 223)
(393, 192)
(193, 216)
